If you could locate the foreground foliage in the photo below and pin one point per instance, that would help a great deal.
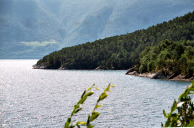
(181, 114)
(119, 52)
(78, 107)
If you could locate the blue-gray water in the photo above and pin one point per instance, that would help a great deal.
(45, 98)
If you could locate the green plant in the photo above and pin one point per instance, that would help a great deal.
(91, 117)
(184, 107)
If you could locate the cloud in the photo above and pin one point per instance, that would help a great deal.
(38, 44)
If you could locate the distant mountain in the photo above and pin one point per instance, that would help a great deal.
(122, 52)
(34, 28)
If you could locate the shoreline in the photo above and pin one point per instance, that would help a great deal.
(161, 76)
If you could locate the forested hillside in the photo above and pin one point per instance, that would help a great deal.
(171, 58)
(119, 52)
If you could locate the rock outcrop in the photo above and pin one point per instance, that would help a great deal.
(62, 68)
(101, 68)
(39, 67)
(160, 75)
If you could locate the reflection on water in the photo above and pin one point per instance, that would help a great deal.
(45, 98)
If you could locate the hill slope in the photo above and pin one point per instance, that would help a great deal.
(119, 52)
(167, 60)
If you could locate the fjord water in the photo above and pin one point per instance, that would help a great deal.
(45, 98)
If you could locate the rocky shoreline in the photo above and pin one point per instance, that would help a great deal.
(176, 77)
(38, 67)
(166, 76)
(64, 68)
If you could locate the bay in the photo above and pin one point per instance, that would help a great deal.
(45, 98)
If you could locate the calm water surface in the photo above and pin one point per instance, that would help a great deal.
(45, 98)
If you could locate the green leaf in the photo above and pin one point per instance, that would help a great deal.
(83, 94)
(81, 123)
(192, 86)
(82, 100)
(72, 112)
(191, 124)
(98, 106)
(88, 121)
(167, 123)
(97, 88)
(180, 97)
(164, 113)
(94, 116)
(89, 93)
(102, 96)
(169, 115)
(68, 122)
(173, 108)
(107, 89)
(77, 110)
(90, 126)
(91, 87)
(184, 94)
(76, 106)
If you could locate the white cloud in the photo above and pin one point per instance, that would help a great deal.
(38, 44)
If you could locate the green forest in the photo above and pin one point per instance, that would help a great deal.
(123, 51)
(168, 56)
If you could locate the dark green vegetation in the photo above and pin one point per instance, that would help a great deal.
(168, 57)
(120, 52)
(184, 116)
(78, 107)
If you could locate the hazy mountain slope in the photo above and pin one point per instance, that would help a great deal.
(68, 22)
(24, 21)
(123, 17)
